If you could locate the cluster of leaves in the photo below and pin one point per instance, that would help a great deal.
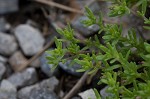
(125, 76)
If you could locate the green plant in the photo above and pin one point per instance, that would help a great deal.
(124, 61)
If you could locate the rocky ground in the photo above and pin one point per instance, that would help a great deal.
(24, 32)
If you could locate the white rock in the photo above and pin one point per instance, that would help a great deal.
(7, 43)
(7, 90)
(88, 94)
(25, 78)
(30, 39)
(49, 84)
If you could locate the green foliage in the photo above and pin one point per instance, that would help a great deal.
(123, 60)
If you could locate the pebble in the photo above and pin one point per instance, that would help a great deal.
(30, 39)
(25, 78)
(7, 90)
(2, 70)
(42, 94)
(71, 69)
(49, 84)
(88, 94)
(87, 31)
(17, 60)
(8, 44)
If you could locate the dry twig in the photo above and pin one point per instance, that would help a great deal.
(51, 3)
(77, 86)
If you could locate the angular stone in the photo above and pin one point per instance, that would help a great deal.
(7, 6)
(71, 68)
(7, 90)
(49, 84)
(30, 39)
(2, 70)
(7, 43)
(24, 93)
(17, 60)
(3, 59)
(86, 30)
(25, 78)
(88, 94)
(42, 94)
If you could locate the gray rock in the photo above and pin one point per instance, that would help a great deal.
(87, 31)
(8, 44)
(24, 93)
(71, 68)
(3, 59)
(88, 94)
(17, 60)
(42, 94)
(4, 25)
(7, 6)
(2, 70)
(49, 84)
(30, 39)
(7, 90)
(25, 78)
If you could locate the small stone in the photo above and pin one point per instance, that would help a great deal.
(35, 63)
(71, 68)
(7, 6)
(7, 43)
(42, 94)
(86, 31)
(7, 90)
(17, 60)
(88, 94)
(45, 67)
(5, 84)
(2, 70)
(49, 84)
(24, 93)
(30, 39)
(25, 78)
(3, 59)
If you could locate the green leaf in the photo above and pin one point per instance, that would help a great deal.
(97, 94)
(113, 67)
(147, 47)
(144, 6)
